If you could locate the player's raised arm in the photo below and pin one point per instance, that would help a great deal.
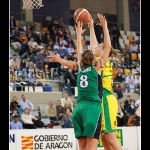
(67, 63)
(79, 32)
(107, 41)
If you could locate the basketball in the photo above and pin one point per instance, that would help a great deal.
(82, 15)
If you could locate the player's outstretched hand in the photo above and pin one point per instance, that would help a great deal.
(78, 27)
(90, 21)
(102, 20)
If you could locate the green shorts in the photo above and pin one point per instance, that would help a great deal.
(86, 118)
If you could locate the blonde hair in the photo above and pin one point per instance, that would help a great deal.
(27, 109)
(68, 105)
(13, 98)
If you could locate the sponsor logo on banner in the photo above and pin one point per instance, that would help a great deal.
(27, 142)
(44, 142)
(119, 137)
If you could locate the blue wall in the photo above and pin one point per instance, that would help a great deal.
(134, 17)
(15, 9)
(54, 8)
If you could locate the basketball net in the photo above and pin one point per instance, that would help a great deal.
(32, 4)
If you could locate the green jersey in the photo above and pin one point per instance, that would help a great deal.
(87, 84)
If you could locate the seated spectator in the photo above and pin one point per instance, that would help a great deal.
(127, 102)
(26, 117)
(34, 35)
(56, 46)
(31, 66)
(66, 99)
(14, 112)
(56, 39)
(120, 62)
(118, 90)
(70, 80)
(40, 58)
(70, 41)
(133, 47)
(122, 121)
(70, 50)
(51, 112)
(131, 108)
(13, 77)
(29, 36)
(22, 64)
(123, 87)
(24, 49)
(32, 52)
(45, 22)
(60, 110)
(32, 79)
(137, 80)
(16, 35)
(137, 103)
(68, 122)
(23, 36)
(32, 43)
(60, 32)
(14, 62)
(129, 78)
(22, 28)
(15, 105)
(16, 124)
(41, 78)
(119, 77)
(131, 87)
(52, 25)
(25, 103)
(68, 108)
(47, 39)
(119, 116)
(61, 21)
(62, 52)
(62, 40)
(40, 38)
(115, 71)
(128, 62)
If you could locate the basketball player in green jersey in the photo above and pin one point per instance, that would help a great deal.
(71, 64)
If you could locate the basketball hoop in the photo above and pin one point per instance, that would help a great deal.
(32, 4)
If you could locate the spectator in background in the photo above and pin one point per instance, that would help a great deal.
(60, 32)
(127, 102)
(70, 41)
(24, 49)
(14, 112)
(51, 112)
(34, 35)
(56, 39)
(68, 108)
(56, 46)
(115, 71)
(45, 22)
(40, 38)
(23, 37)
(137, 80)
(14, 103)
(15, 36)
(12, 23)
(22, 64)
(62, 40)
(25, 103)
(98, 31)
(66, 99)
(70, 80)
(68, 122)
(13, 77)
(21, 28)
(14, 62)
(26, 117)
(123, 87)
(29, 36)
(131, 108)
(128, 62)
(47, 39)
(32, 79)
(133, 48)
(137, 103)
(119, 77)
(15, 124)
(74, 104)
(118, 90)
(131, 87)
(31, 66)
(53, 24)
(119, 116)
(60, 110)
(62, 52)
(115, 34)
(70, 49)
(61, 21)
(129, 78)
(32, 43)
(40, 58)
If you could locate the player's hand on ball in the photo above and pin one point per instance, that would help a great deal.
(102, 20)
(79, 30)
(90, 22)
